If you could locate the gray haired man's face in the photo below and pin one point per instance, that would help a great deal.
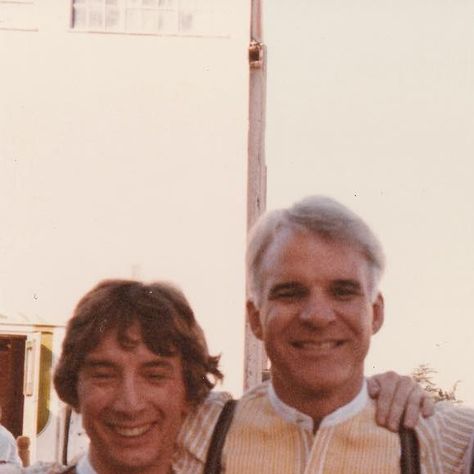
(316, 315)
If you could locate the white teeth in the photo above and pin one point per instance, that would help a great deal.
(131, 432)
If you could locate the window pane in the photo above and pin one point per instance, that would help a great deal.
(112, 19)
(96, 18)
(133, 19)
(201, 23)
(80, 18)
(149, 21)
(167, 22)
(167, 3)
(186, 22)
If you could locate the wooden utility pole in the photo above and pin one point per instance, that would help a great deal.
(255, 359)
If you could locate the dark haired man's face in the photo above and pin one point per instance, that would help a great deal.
(132, 403)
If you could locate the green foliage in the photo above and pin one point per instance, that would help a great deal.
(423, 374)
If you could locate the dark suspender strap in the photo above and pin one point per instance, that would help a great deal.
(214, 453)
(410, 459)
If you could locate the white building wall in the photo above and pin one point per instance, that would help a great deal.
(124, 155)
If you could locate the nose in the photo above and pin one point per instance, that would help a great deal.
(129, 397)
(317, 311)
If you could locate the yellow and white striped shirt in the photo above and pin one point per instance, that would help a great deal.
(269, 437)
(195, 434)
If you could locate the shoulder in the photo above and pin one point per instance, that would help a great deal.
(37, 468)
(457, 419)
(206, 412)
(196, 431)
(5, 434)
(259, 392)
(10, 469)
(445, 437)
(255, 411)
(254, 403)
(469, 457)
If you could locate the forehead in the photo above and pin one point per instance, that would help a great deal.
(296, 253)
(130, 349)
(126, 339)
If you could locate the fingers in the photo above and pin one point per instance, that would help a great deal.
(413, 408)
(373, 387)
(402, 402)
(399, 400)
(384, 389)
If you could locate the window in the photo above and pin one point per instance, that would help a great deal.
(164, 17)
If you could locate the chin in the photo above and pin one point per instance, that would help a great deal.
(131, 465)
(317, 383)
(131, 460)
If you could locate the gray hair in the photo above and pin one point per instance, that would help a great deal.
(322, 216)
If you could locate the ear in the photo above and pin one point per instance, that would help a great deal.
(378, 313)
(253, 317)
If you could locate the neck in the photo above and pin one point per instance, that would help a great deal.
(317, 404)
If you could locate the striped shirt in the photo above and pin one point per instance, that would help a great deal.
(269, 437)
(469, 458)
(195, 435)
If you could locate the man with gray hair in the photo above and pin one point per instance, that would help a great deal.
(313, 273)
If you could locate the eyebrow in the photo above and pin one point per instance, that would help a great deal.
(294, 285)
(164, 364)
(91, 363)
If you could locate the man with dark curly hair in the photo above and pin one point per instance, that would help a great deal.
(134, 364)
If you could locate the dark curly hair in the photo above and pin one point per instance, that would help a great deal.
(167, 324)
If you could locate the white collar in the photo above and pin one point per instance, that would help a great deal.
(292, 415)
(84, 466)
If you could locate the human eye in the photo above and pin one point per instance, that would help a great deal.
(157, 375)
(100, 375)
(345, 290)
(288, 292)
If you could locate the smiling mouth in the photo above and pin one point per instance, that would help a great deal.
(316, 346)
(131, 432)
